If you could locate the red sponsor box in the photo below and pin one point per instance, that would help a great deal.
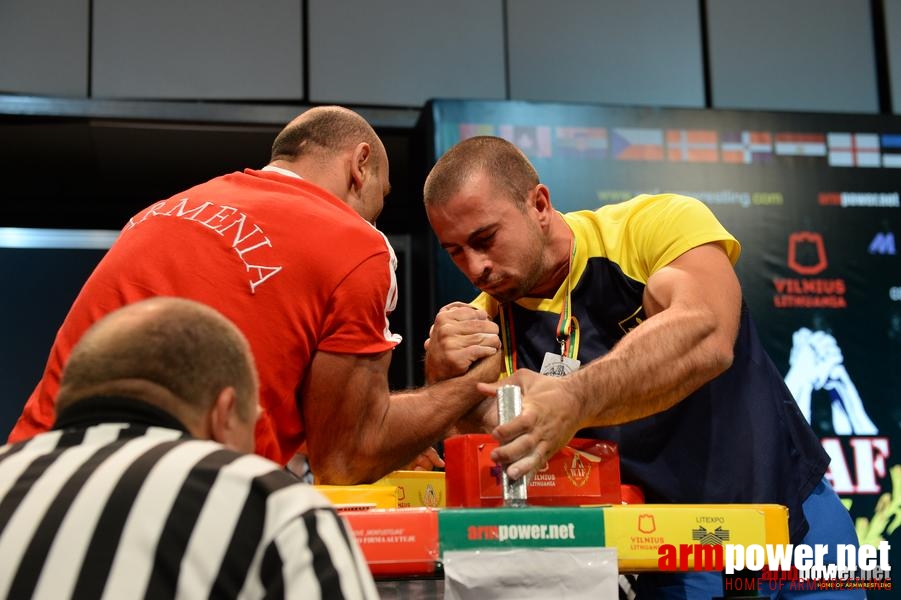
(632, 494)
(397, 542)
(583, 472)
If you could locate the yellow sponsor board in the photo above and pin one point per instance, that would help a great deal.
(417, 488)
(638, 531)
(360, 497)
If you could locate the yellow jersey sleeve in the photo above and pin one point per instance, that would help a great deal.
(646, 233)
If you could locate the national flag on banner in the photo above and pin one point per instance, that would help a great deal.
(581, 142)
(468, 130)
(535, 142)
(853, 149)
(891, 150)
(692, 145)
(637, 144)
(801, 144)
(746, 146)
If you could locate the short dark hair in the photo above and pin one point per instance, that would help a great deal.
(323, 129)
(186, 347)
(507, 166)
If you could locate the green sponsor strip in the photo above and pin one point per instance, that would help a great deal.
(533, 527)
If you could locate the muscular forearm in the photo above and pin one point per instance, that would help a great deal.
(409, 422)
(421, 417)
(652, 368)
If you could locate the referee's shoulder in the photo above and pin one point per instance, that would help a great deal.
(268, 478)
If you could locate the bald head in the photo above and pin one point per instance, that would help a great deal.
(323, 131)
(174, 353)
(335, 149)
(508, 168)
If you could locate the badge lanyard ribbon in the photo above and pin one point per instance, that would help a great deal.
(564, 331)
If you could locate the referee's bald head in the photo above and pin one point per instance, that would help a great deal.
(175, 353)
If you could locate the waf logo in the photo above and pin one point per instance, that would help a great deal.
(806, 256)
(646, 523)
(806, 253)
(717, 536)
(577, 471)
(430, 498)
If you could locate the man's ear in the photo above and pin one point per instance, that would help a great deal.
(541, 198)
(358, 162)
(223, 417)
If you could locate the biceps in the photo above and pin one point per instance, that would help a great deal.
(702, 278)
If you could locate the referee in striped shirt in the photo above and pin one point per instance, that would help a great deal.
(143, 489)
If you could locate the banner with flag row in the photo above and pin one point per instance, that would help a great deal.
(840, 149)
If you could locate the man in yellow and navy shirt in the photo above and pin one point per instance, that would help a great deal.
(638, 306)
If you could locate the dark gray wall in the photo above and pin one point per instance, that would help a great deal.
(404, 52)
(893, 50)
(815, 55)
(792, 55)
(202, 49)
(643, 52)
(44, 47)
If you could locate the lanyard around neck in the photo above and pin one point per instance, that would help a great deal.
(564, 330)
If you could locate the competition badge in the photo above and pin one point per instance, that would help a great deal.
(557, 365)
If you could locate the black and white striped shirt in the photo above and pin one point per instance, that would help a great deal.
(131, 510)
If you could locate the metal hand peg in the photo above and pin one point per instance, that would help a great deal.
(509, 405)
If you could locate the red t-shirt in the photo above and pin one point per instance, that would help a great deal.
(296, 269)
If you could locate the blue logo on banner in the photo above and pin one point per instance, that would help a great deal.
(883, 243)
